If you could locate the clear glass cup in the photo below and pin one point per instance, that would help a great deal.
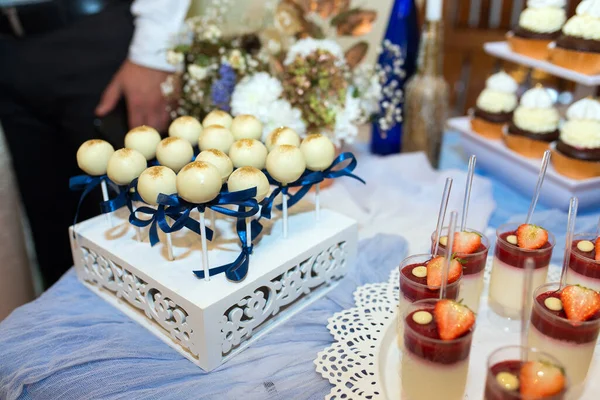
(471, 285)
(508, 359)
(433, 368)
(508, 272)
(571, 343)
(584, 271)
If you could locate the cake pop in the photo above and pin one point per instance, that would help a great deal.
(125, 165)
(248, 153)
(143, 139)
(151, 183)
(215, 137)
(246, 126)
(285, 163)
(200, 182)
(282, 135)
(319, 153)
(186, 127)
(219, 160)
(174, 152)
(245, 178)
(217, 117)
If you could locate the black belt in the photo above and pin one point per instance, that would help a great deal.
(47, 15)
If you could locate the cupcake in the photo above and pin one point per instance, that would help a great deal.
(539, 25)
(495, 105)
(578, 48)
(577, 152)
(534, 125)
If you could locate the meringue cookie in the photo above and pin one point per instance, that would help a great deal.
(587, 108)
(537, 97)
(501, 82)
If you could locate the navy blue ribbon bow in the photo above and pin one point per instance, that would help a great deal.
(127, 195)
(238, 269)
(86, 184)
(158, 219)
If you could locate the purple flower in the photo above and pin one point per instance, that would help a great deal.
(222, 88)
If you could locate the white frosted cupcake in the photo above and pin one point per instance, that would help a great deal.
(578, 48)
(539, 24)
(495, 105)
(534, 125)
(577, 151)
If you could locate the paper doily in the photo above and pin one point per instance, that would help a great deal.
(351, 364)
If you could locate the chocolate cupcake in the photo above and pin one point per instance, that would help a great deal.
(495, 105)
(578, 48)
(534, 125)
(576, 154)
(539, 24)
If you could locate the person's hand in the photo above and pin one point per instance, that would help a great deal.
(141, 88)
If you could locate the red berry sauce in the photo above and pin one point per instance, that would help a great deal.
(493, 391)
(473, 263)
(514, 256)
(584, 262)
(420, 291)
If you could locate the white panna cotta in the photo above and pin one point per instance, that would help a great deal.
(575, 278)
(423, 379)
(471, 287)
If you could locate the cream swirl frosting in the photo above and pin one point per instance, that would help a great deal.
(543, 16)
(586, 23)
(536, 113)
(582, 130)
(499, 94)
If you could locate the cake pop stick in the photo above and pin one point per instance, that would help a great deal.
(285, 163)
(319, 153)
(573, 203)
(151, 183)
(526, 306)
(538, 187)
(246, 178)
(442, 215)
(108, 215)
(469, 184)
(200, 182)
(451, 231)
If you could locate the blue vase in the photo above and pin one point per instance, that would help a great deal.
(402, 30)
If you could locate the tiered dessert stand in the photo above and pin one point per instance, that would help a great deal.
(518, 171)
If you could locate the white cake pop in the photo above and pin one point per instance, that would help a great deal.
(249, 177)
(248, 153)
(219, 160)
(93, 156)
(246, 126)
(143, 139)
(282, 135)
(125, 165)
(215, 137)
(174, 152)
(318, 152)
(217, 117)
(285, 163)
(199, 182)
(186, 127)
(156, 180)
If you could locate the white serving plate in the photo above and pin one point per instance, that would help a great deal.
(364, 361)
(502, 50)
(522, 173)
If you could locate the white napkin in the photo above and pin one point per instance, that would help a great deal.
(402, 196)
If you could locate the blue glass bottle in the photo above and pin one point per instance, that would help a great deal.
(402, 30)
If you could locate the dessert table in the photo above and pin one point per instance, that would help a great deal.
(70, 344)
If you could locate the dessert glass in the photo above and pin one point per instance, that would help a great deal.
(572, 343)
(433, 368)
(508, 272)
(508, 359)
(471, 283)
(583, 269)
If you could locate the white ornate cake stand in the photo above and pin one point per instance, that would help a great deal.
(364, 360)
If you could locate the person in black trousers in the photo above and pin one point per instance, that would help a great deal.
(64, 66)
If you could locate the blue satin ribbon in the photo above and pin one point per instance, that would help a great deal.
(86, 184)
(238, 269)
(127, 195)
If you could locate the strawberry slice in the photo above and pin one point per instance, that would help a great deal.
(434, 271)
(531, 236)
(580, 303)
(538, 380)
(453, 319)
(597, 258)
(466, 242)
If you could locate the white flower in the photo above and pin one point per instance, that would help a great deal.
(174, 57)
(236, 60)
(280, 113)
(307, 46)
(167, 87)
(369, 89)
(197, 72)
(254, 94)
(346, 118)
(211, 33)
